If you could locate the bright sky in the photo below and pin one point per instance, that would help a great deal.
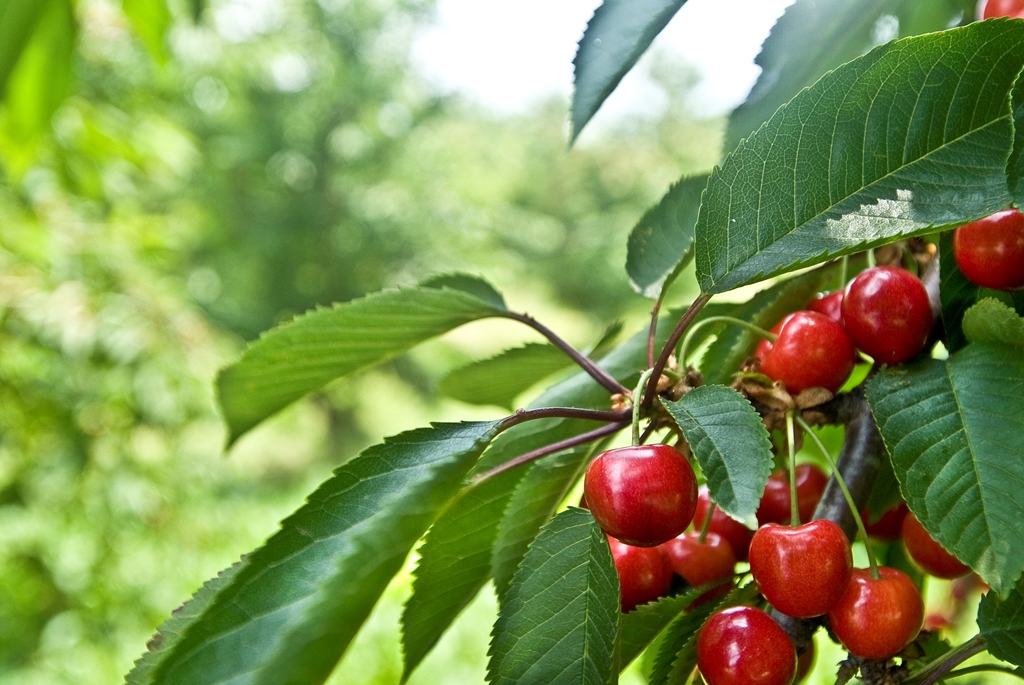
(507, 54)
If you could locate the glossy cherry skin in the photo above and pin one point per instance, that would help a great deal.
(876, 619)
(735, 533)
(1003, 8)
(886, 314)
(801, 571)
(887, 528)
(642, 495)
(829, 304)
(929, 554)
(810, 485)
(644, 573)
(990, 251)
(743, 646)
(811, 351)
(700, 563)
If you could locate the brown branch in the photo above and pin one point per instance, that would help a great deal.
(684, 322)
(524, 415)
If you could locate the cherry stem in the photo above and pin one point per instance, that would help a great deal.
(636, 405)
(684, 322)
(846, 494)
(685, 347)
(524, 415)
(844, 265)
(794, 507)
(653, 332)
(581, 439)
(584, 362)
(707, 524)
(940, 668)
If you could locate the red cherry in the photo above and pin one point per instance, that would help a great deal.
(804, 662)
(801, 571)
(700, 563)
(743, 646)
(886, 314)
(644, 573)
(990, 251)
(810, 485)
(876, 619)
(642, 495)
(811, 351)
(888, 527)
(929, 554)
(735, 533)
(1003, 8)
(829, 304)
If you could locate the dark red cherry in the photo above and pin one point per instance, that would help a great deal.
(888, 527)
(811, 351)
(700, 563)
(810, 485)
(801, 571)
(644, 573)
(929, 554)
(735, 533)
(990, 251)
(877, 618)
(642, 495)
(742, 645)
(829, 304)
(1003, 8)
(886, 314)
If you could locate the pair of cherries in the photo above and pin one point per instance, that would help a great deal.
(884, 312)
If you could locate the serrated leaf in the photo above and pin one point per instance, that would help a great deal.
(731, 445)
(641, 626)
(660, 246)
(504, 377)
(815, 36)
(1015, 167)
(299, 357)
(17, 20)
(912, 136)
(1001, 622)
(950, 427)
(471, 285)
(765, 309)
(288, 614)
(151, 20)
(560, 619)
(956, 294)
(992, 321)
(618, 33)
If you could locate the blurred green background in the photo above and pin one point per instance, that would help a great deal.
(175, 178)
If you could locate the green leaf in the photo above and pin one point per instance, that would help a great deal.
(561, 617)
(1001, 622)
(912, 136)
(731, 445)
(956, 294)
(1015, 167)
(151, 20)
(17, 22)
(816, 36)
(992, 321)
(641, 626)
(502, 378)
(734, 344)
(299, 357)
(661, 244)
(287, 615)
(471, 285)
(618, 33)
(951, 429)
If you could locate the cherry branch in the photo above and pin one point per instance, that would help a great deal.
(684, 322)
(653, 332)
(524, 415)
(584, 362)
(574, 441)
(939, 668)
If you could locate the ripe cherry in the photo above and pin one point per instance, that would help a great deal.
(829, 304)
(735, 533)
(644, 573)
(886, 314)
(742, 645)
(877, 618)
(811, 351)
(929, 554)
(1003, 8)
(810, 485)
(642, 495)
(990, 251)
(804, 662)
(888, 527)
(801, 571)
(700, 563)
